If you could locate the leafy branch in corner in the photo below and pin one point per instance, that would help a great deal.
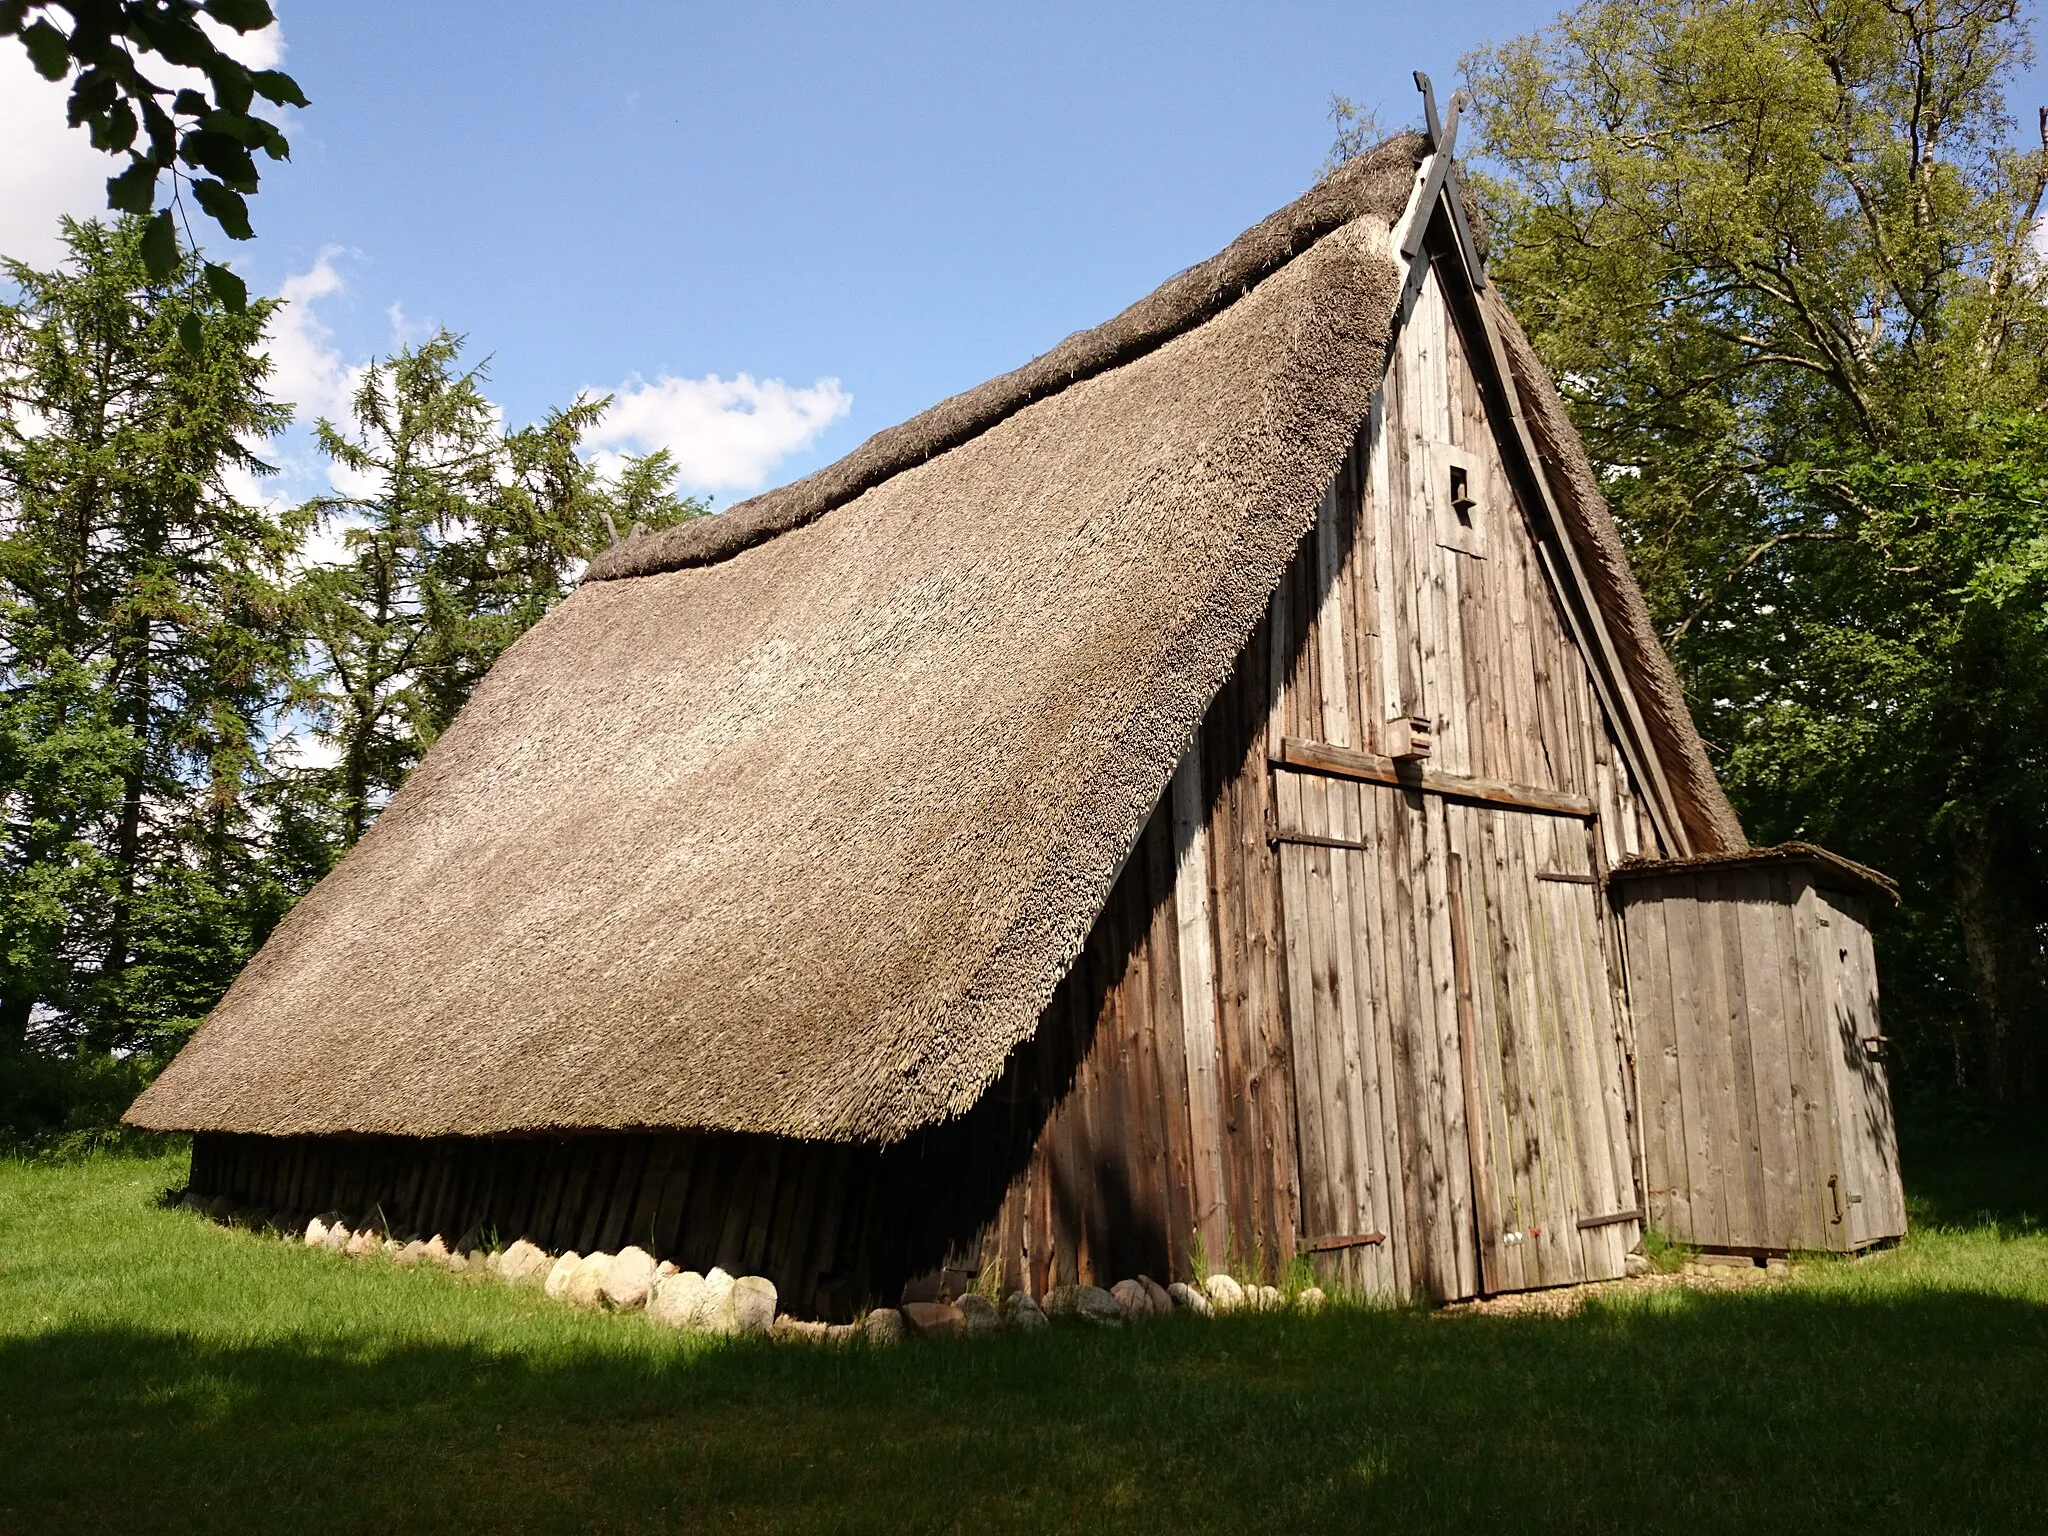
(206, 139)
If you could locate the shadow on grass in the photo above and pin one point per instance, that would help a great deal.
(1967, 1166)
(1915, 1410)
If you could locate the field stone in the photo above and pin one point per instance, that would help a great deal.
(1270, 1299)
(413, 1252)
(316, 1232)
(557, 1281)
(1186, 1298)
(883, 1326)
(1021, 1312)
(1225, 1294)
(1090, 1302)
(523, 1263)
(360, 1244)
(435, 1249)
(794, 1330)
(630, 1280)
(978, 1315)
(843, 1333)
(1130, 1295)
(586, 1281)
(1637, 1265)
(674, 1303)
(664, 1269)
(1311, 1299)
(1162, 1304)
(337, 1238)
(753, 1304)
(1061, 1301)
(933, 1319)
(714, 1303)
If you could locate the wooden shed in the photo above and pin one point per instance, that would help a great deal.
(1150, 811)
(1766, 1118)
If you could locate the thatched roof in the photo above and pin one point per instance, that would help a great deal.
(791, 820)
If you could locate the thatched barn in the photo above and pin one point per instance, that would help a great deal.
(1155, 809)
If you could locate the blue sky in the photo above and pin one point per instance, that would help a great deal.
(725, 209)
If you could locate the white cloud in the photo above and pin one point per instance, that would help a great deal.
(48, 168)
(725, 434)
(306, 367)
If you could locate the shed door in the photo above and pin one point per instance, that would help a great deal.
(1868, 1201)
(1554, 1189)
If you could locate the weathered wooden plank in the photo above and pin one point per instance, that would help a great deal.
(1370, 768)
(1191, 898)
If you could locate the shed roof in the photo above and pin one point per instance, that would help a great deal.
(790, 821)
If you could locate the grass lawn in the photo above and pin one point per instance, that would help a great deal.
(157, 1373)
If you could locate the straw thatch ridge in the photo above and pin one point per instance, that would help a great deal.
(1372, 183)
(1710, 821)
(801, 843)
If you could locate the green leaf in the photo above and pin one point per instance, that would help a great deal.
(242, 15)
(190, 335)
(275, 85)
(48, 49)
(190, 103)
(232, 292)
(227, 208)
(160, 246)
(12, 14)
(114, 130)
(134, 190)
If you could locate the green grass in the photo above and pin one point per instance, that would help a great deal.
(157, 1373)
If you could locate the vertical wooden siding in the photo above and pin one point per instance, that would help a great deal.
(1767, 1123)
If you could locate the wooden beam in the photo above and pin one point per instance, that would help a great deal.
(1343, 1240)
(1612, 1219)
(1316, 840)
(1349, 763)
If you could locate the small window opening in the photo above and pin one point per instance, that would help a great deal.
(1461, 496)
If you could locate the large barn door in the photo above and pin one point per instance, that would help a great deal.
(1385, 1173)
(1554, 1192)
(1458, 1074)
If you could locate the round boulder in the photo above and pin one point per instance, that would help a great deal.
(557, 1282)
(753, 1304)
(884, 1326)
(978, 1316)
(1312, 1299)
(1155, 1293)
(1130, 1295)
(1225, 1294)
(675, 1299)
(1023, 1313)
(1185, 1298)
(630, 1280)
(524, 1263)
(586, 1281)
(316, 1232)
(933, 1319)
(714, 1303)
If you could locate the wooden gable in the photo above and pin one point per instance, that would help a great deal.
(1322, 968)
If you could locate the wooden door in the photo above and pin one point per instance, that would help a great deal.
(1867, 1198)
(1385, 1182)
(1554, 1186)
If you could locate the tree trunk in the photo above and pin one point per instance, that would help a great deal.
(2000, 912)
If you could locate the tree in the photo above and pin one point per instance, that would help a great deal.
(462, 537)
(141, 646)
(1778, 253)
(206, 139)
